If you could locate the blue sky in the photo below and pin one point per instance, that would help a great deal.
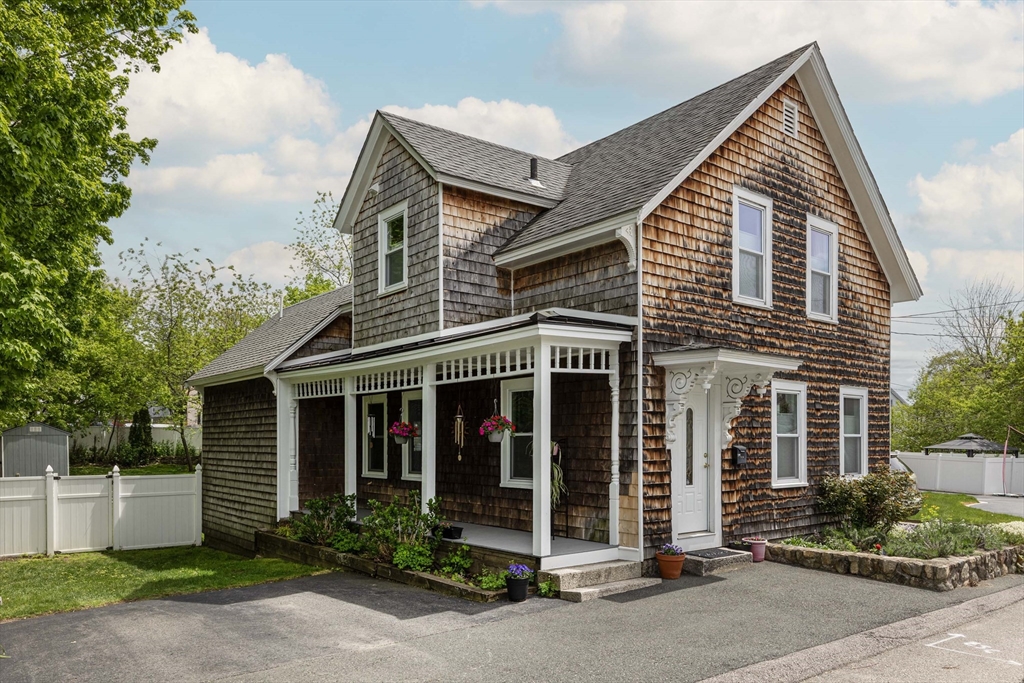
(270, 103)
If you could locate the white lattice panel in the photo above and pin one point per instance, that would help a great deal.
(580, 359)
(319, 388)
(493, 364)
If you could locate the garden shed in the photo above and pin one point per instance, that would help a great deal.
(26, 451)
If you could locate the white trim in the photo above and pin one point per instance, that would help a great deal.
(601, 232)
(640, 397)
(319, 327)
(550, 562)
(390, 213)
(763, 204)
(754, 359)
(440, 257)
(408, 396)
(860, 393)
(227, 377)
(800, 389)
(494, 191)
(509, 386)
(367, 400)
(789, 107)
(815, 223)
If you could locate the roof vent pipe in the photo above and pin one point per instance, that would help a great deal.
(533, 168)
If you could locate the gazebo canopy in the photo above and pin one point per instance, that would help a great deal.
(971, 443)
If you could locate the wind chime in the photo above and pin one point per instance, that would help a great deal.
(460, 430)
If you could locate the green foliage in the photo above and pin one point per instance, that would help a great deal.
(325, 518)
(400, 522)
(346, 541)
(323, 253)
(457, 562)
(546, 589)
(313, 285)
(850, 537)
(940, 538)
(878, 499)
(491, 581)
(64, 68)
(417, 557)
(953, 507)
(140, 434)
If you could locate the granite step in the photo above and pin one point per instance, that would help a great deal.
(704, 562)
(586, 593)
(584, 575)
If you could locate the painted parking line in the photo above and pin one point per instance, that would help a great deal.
(978, 649)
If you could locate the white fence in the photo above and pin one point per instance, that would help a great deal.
(73, 514)
(957, 473)
(98, 437)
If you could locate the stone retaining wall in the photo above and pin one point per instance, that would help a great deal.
(941, 574)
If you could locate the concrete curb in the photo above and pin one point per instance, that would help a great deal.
(814, 661)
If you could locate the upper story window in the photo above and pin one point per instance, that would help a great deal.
(751, 249)
(853, 430)
(392, 248)
(789, 433)
(822, 264)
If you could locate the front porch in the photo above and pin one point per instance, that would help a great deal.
(559, 383)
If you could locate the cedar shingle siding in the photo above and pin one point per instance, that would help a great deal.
(687, 299)
(321, 447)
(239, 463)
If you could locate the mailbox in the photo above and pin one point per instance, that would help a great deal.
(739, 455)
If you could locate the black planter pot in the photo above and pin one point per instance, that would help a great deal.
(740, 545)
(452, 532)
(517, 589)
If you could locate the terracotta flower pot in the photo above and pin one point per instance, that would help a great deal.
(496, 437)
(757, 546)
(670, 566)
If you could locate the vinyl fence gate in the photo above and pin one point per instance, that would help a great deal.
(76, 514)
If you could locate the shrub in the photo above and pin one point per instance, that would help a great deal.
(418, 557)
(939, 538)
(879, 499)
(346, 541)
(849, 537)
(140, 434)
(400, 522)
(457, 562)
(490, 581)
(325, 518)
(546, 589)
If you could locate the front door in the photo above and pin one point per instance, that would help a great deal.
(691, 468)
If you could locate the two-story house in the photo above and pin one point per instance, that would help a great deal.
(695, 309)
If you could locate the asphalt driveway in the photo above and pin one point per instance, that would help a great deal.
(349, 627)
(1008, 505)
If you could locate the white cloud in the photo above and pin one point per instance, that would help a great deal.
(919, 262)
(978, 203)
(965, 265)
(529, 127)
(202, 95)
(269, 262)
(964, 51)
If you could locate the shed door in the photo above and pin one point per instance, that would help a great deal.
(690, 469)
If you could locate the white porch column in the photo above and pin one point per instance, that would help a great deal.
(428, 483)
(613, 488)
(284, 440)
(351, 434)
(293, 454)
(542, 450)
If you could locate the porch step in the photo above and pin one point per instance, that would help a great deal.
(605, 589)
(704, 562)
(584, 575)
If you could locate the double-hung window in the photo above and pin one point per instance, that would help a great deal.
(412, 450)
(751, 249)
(375, 436)
(853, 428)
(517, 447)
(789, 433)
(392, 248)
(822, 263)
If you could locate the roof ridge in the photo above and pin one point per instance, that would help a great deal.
(387, 114)
(745, 74)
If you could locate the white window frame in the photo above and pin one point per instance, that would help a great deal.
(862, 394)
(382, 248)
(408, 396)
(822, 225)
(509, 386)
(740, 195)
(800, 389)
(368, 400)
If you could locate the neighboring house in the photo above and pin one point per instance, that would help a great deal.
(738, 239)
(895, 399)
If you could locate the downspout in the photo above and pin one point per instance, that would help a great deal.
(440, 257)
(640, 381)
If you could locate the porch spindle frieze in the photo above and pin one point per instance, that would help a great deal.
(485, 365)
(579, 359)
(320, 388)
(386, 380)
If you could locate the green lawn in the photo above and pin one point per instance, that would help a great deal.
(951, 507)
(81, 470)
(40, 585)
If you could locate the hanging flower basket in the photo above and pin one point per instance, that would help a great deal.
(495, 426)
(403, 431)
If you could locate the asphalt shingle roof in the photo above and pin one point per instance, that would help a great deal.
(621, 172)
(480, 161)
(273, 337)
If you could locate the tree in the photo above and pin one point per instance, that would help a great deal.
(977, 317)
(140, 434)
(324, 254)
(64, 155)
(189, 312)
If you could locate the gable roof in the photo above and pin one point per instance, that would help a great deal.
(622, 171)
(266, 343)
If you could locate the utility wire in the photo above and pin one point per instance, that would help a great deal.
(956, 310)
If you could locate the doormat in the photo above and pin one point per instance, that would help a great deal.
(712, 553)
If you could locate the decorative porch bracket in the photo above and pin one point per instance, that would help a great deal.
(735, 389)
(680, 384)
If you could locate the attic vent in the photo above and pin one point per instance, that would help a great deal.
(789, 118)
